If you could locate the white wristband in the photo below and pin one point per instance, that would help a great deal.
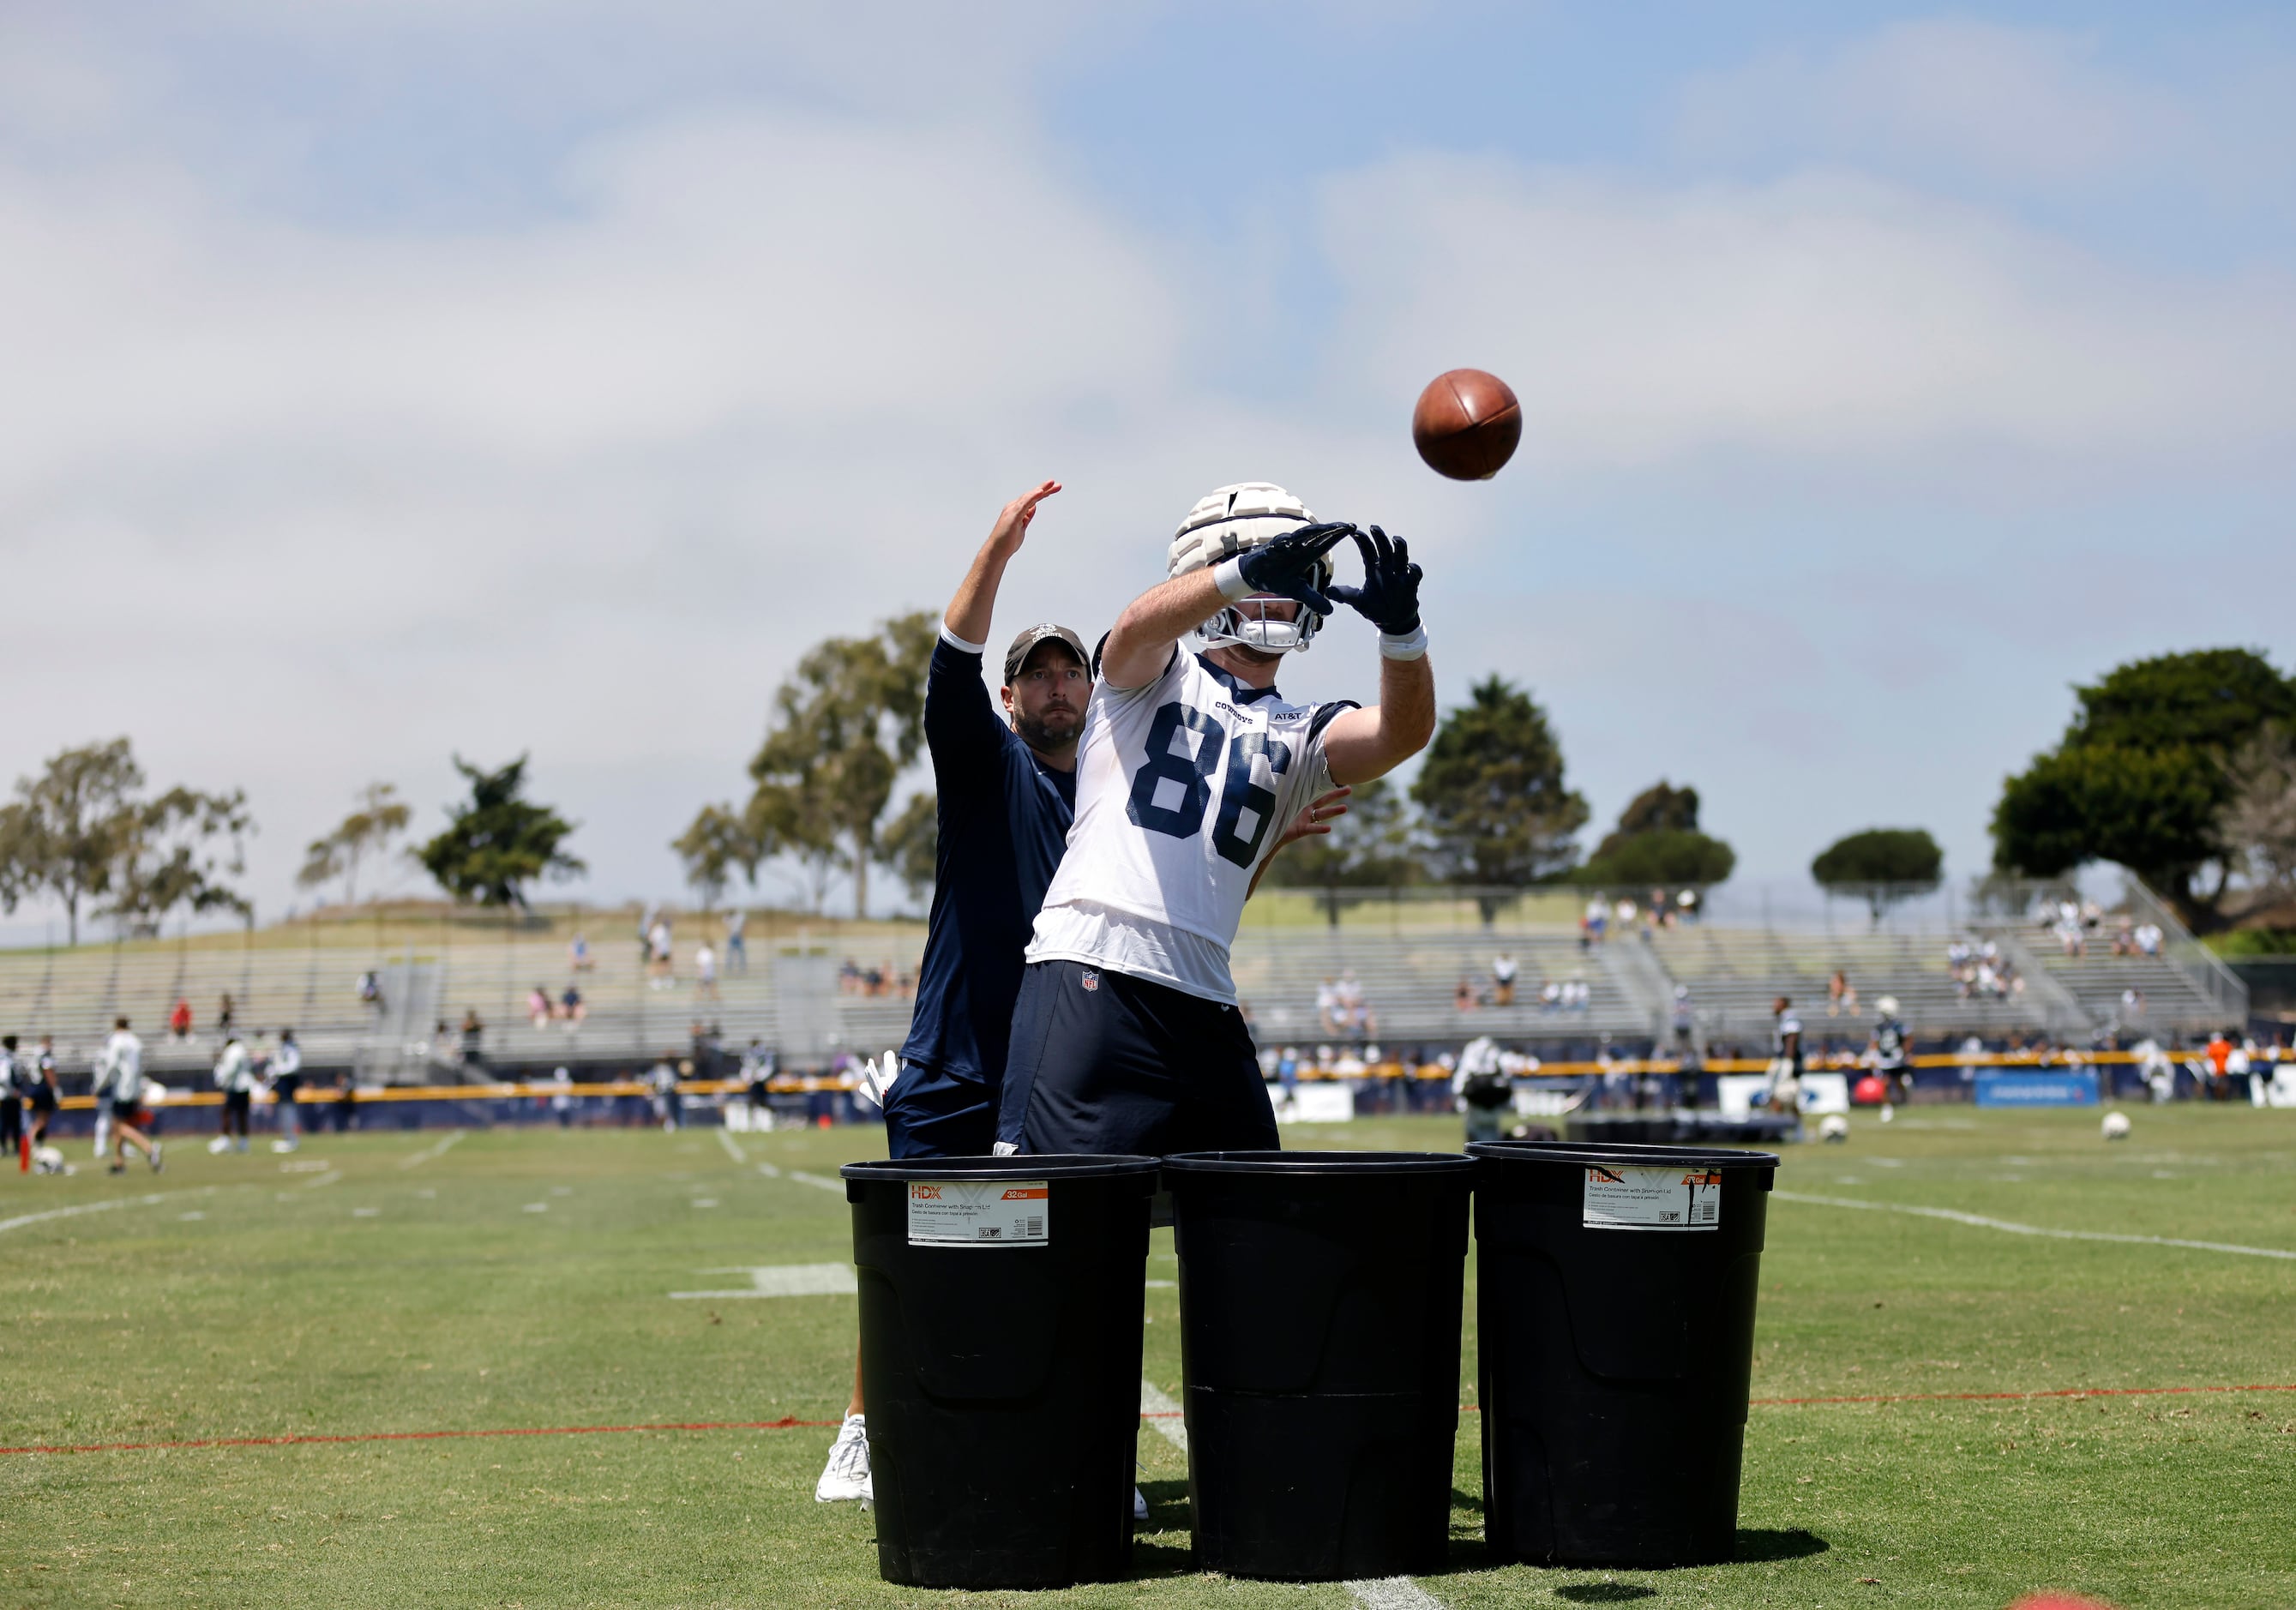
(1409, 647)
(1227, 576)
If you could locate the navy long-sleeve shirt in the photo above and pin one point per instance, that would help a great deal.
(1003, 820)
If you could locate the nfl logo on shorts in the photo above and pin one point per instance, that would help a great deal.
(1091, 979)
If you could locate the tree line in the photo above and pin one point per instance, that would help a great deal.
(2181, 767)
(89, 833)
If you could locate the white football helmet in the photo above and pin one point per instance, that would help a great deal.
(1233, 520)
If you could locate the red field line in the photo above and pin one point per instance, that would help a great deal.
(1986, 1397)
(785, 1423)
(789, 1423)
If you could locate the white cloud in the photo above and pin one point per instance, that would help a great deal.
(1823, 316)
(2028, 104)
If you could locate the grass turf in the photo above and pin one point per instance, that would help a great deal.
(521, 1279)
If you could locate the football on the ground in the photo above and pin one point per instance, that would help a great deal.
(1466, 425)
(2116, 1125)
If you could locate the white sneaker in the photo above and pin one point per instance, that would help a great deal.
(219, 1145)
(847, 1473)
(1139, 1506)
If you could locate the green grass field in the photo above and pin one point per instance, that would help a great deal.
(521, 1279)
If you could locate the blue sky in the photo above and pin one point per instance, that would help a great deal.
(403, 378)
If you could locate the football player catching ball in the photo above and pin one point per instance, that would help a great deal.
(1126, 1036)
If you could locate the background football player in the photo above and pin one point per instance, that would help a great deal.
(1126, 1036)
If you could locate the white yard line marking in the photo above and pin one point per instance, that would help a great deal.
(1983, 1223)
(823, 1180)
(428, 1153)
(784, 1280)
(768, 1170)
(22, 1219)
(328, 1178)
(1169, 1423)
(1392, 1593)
(733, 1148)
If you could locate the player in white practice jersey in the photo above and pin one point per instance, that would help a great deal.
(1125, 1037)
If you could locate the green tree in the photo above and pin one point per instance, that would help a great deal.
(174, 853)
(1880, 866)
(1374, 846)
(63, 832)
(848, 722)
(1657, 844)
(499, 842)
(2140, 776)
(381, 817)
(910, 843)
(1492, 794)
(2257, 825)
(715, 845)
(83, 832)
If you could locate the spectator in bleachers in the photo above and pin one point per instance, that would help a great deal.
(705, 972)
(1550, 996)
(473, 1039)
(1355, 1014)
(2148, 939)
(737, 942)
(2071, 936)
(1327, 1005)
(578, 955)
(223, 1014)
(662, 963)
(1463, 998)
(539, 1008)
(1578, 995)
(179, 1020)
(1684, 1019)
(570, 1008)
(370, 991)
(1592, 926)
(1503, 976)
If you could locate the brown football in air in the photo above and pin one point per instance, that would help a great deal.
(1466, 425)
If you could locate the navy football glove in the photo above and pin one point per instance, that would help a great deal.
(1291, 565)
(1389, 597)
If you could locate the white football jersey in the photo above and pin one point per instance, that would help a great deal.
(1182, 789)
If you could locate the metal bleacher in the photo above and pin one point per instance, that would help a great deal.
(1408, 980)
(791, 995)
(76, 993)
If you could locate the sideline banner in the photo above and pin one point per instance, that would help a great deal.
(2038, 1088)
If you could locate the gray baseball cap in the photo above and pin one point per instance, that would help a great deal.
(1018, 654)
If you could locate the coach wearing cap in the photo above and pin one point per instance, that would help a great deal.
(1006, 794)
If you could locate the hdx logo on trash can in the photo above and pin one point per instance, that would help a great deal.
(980, 1212)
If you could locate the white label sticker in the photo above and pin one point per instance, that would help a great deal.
(1631, 1197)
(980, 1212)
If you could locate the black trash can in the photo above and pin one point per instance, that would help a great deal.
(1001, 1303)
(1319, 1324)
(1615, 1290)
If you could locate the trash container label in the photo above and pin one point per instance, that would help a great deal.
(1625, 1197)
(980, 1212)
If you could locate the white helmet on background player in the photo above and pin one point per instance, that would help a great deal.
(1232, 521)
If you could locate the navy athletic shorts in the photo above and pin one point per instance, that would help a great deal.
(11, 1123)
(930, 1114)
(1104, 1061)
